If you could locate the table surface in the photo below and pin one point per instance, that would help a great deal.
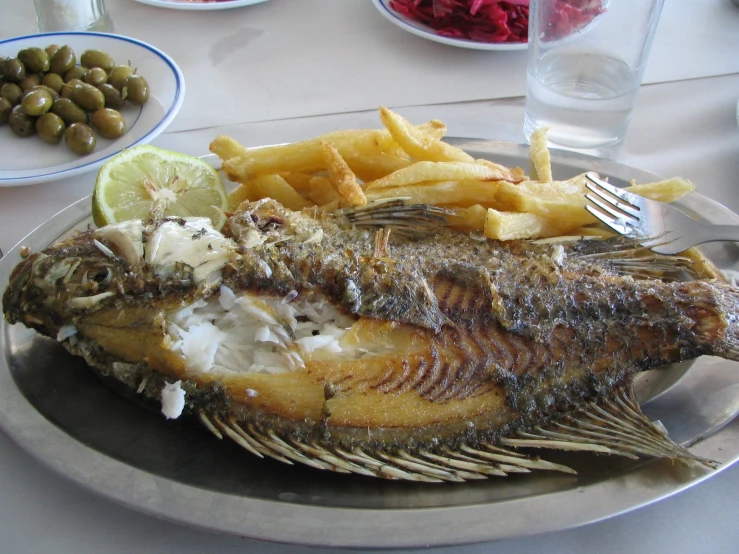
(262, 75)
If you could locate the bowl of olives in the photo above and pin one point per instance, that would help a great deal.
(70, 101)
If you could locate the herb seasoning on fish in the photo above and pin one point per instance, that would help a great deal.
(354, 343)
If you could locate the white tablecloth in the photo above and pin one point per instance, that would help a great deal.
(287, 58)
(681, 127)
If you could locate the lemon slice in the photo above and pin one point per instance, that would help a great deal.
(146, 182)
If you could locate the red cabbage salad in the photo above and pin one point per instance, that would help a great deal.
(494, 20)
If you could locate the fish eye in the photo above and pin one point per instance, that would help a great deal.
(99, 277)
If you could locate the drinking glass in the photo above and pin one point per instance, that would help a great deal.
(586, 60)
(73, 15)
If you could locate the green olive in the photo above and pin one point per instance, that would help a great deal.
(11, 92)
(137, 89)
(35, 59)
(5, 108)
(69, 87)
(77, 72)
(29, 82)
(109, 123)
(69, 111)
(96, 77)
(113, 97)
(14, 70)
(88, 97)
(54, 94)
(80, 138)
(50, 127)
(119, 74)
(36, 102)
(97, 58)
(54, 81)
(21, 123)
(63, 60)
(51, 50)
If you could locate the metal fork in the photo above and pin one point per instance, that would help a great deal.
(665, 229)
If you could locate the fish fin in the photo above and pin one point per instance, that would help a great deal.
(404, 218)
(382, 236)
(613, 424)
(627, 256)
(422, 466)
(468, 463)
(610, 425)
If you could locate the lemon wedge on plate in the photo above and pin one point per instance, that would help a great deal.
(146, 182)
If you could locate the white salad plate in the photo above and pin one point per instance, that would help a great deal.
(91, 432)
(424, 31)
(27, 161)
(200, 5)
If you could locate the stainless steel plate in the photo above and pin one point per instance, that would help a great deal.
(88, 431)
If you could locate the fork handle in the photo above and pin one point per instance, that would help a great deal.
(724, 233)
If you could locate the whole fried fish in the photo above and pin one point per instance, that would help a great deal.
(376, 341)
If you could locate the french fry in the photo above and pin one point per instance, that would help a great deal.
(240, 194)
(413, 163)
(433, 128)
(275, 187)
(511, 225)
(468, 219)
(436, 171)
(515, 226)
(702, 266)
(305, 156)
(370, 168)
(226, 147)
(566, 199)
(299, 181)
(541, 160)
(461, 194)
(556, 200)
(596, 232)
(418, 145)
(331, 206)
(341, 177)
(668, 190)
(241, 164)
(513, 174)
(322, 192)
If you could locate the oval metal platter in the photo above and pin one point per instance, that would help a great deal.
(90, 432)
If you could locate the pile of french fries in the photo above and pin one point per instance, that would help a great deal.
(402, 160)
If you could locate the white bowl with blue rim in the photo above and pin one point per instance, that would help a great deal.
(27, 161)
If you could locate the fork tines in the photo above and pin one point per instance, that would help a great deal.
(613, 206)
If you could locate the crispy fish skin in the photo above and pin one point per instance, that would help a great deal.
(485, 341)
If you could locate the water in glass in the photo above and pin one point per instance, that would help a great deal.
(585, 98)
(73, 15)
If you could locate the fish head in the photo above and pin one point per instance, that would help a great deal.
(56, 284)
(115, 264)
